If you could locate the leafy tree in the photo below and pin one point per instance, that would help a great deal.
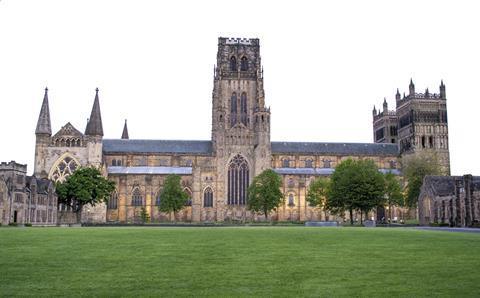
(173, 197)
(317, 192)
(393, 192)
(85, 186)
(264, 193)
(355, 185)
(415, 167)
(144, 215)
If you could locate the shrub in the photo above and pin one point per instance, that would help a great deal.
(12, 224)
(28, 224)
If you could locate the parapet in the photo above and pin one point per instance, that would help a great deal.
(242, 41)
(13, 166)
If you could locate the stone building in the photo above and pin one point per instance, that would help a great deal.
(25, 199)
(452, 200)
(418, 123)
(215, 173)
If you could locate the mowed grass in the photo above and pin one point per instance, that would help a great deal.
(244, 261)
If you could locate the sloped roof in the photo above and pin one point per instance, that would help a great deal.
(320, 171)
(370, 149)
(157, 146)
(445, 185)
(150, 170)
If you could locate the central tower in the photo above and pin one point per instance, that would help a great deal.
(240, 120)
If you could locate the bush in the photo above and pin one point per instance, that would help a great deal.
(12, 224)
(28, 224)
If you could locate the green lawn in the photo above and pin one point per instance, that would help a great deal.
(244, 261)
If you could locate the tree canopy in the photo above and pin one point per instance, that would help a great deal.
(415, 167)
(393, 192)
(264, 193)
(355, 185)
(317, 193)
(85, 186)
(173, 198)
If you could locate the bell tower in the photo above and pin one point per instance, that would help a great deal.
(240, 120)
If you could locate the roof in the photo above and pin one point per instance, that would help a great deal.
(94, 125)
(336, 148)
(43, 124)
(445, 185)
(319, 171)
(156, 146)
(149, 170)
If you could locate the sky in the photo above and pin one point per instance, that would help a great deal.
(326, 63)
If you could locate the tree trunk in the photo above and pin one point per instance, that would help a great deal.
(266, 214)
(79, 216)
(361, 217)
(390, 213)
(351, 216)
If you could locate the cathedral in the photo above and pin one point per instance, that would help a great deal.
(216, 173)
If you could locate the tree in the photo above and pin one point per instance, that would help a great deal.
(264, 193)
(173, 197)
(415, 167)
(355, 185)
(85, 186)
(317, 192)
(144, 215)
(393, 192)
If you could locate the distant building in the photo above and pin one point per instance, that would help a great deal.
(418, 123)
(215, 173)
(25, 199)
(452, 200)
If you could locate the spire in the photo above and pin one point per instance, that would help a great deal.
(385, 105)
(427, 93)
(443, 94)
(94, 125)
(43, 123)
(397, 95)
(374, 112)
(125, 131)
(411, 87)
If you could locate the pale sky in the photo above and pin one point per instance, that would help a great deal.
(326, 63)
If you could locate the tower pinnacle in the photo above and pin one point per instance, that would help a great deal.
(125, 131)
(94, 125)
(43, 124)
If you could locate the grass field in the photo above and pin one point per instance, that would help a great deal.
(245, 261)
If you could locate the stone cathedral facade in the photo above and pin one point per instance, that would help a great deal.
(215, 173)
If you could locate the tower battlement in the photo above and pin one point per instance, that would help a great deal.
(13, 166)
(238, 40)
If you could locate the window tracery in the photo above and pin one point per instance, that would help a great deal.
(64, 168)
(238, 180)
(208, 197)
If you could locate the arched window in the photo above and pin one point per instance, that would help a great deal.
(243, 108)
(233, 109)
(189, 194)
(208, 197)
(291, 183)
(158, 198)
(309, 163)
(327, 163)
(114, 162)
(137, 199)
(238, 180)
(63, 169)
(119, 163)
(291, 200)
(286, 163)
(244, 64)
(113, 201)
(233, 63)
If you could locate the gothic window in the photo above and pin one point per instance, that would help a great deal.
(423, 141)
(63, 169)
(189, 194)
(238, 179)
(286, 163)
(309, 163)
(243, 108)
(291, 200)
(208, 197)
(137, 199)
(327, 163)
(112, 203)
(233, 63)
(430, 141)
(233, 109)
(114, 162)
(119, 163)
(244, 64)
(291, 183)
(158, 199)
